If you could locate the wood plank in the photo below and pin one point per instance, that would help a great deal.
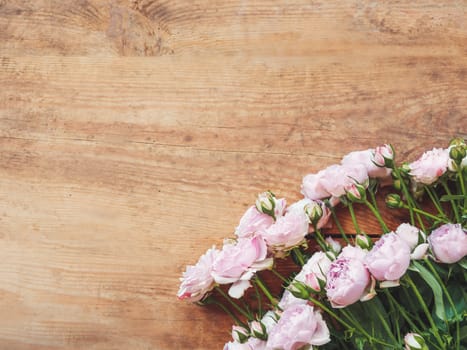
(133, 135)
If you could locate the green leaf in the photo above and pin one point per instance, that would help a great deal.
(463, 263)
(435, 287)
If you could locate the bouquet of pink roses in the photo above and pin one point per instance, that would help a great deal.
(407, 288)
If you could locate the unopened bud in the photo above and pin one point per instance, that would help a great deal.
(356, 193)
(300, 290)
(265, 203)
(364, 242)
(458, 141)
(240, 334)
(414, 341)
(258, 330)
(457, 153)
(394, 201)
(314, 211)
(383, 156)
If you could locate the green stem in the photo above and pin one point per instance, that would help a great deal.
(259, 299)
(453, 203)
(450, 301)
(428, 215)
(354, 219)
(299, 255)
(377, 215)
(435, 200)
(401, 309)
(230, 313)
(265, 290)
(420, 299)
(277, 274)
(385, 324)
(338, 224)
(231, 302)
(394, 310)
(360, 328)
(462, 184)
(406, 193)
(320, 239)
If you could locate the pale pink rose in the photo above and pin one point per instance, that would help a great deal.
(334, 245)
(347, 281)
(279, 208)
(238, 262)
(312, 186)
(409, 234)
(353, 252)
(449, 243)
(252, 222)
(366, 159)
(197, 280)
(389, 258)
(234, 345)
(317, 266)
(430, 166)
(287, 232)
(288, 299)
(337, 177)
(299, 325)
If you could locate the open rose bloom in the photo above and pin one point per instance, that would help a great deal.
(239, 261)
(298, 326)
(197, 280)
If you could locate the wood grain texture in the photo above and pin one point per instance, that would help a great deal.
(133, 135)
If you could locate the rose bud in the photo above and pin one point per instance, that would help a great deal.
(414, 341)
(258, 330)
(265, 203)
(355, 193)
(240, 334)
(394, 201)
(364, 242)
(383, 156)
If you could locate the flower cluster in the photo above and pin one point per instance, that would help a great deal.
(404, 289)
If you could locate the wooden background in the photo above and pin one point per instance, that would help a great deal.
(134, 133)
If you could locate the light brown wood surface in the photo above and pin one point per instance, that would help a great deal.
(133, 135)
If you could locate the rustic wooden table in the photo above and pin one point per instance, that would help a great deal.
(134, 133)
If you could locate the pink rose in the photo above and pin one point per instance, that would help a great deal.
(430, 166)
(238, 261)
(353, 252)
(252, 222)
(234, 345)
(347, 281)
(337, 177)
(298, 326)
(287, 232)
(409, 234)
(314, 270)
(448, 243)
(197, 279)
(312, 186)
(389, 258)
(288, 299)
(366, 159)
